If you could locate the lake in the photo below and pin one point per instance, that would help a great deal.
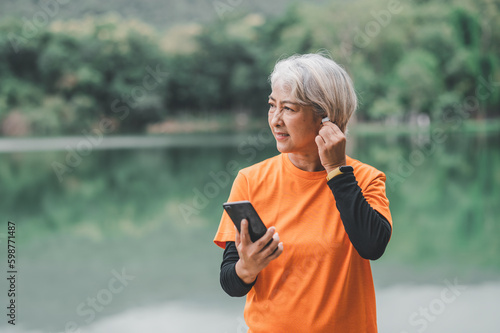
(116, 236)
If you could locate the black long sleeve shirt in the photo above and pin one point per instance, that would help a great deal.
(368, 231)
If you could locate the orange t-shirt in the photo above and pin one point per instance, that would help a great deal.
(319, 283)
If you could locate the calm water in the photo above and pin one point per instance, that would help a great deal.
(120, 239)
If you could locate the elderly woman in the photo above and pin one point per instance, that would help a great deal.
(327, 214)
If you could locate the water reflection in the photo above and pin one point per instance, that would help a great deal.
(153, 213)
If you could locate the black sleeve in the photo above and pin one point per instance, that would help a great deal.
(367, 229)
(229, 280)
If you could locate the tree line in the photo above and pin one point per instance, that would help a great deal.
(407, 59)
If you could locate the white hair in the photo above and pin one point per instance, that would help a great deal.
(318, 81)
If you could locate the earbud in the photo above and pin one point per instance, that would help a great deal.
(325, 119)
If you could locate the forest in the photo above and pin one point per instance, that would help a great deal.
(412, 62)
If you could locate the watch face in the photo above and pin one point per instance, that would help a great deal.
(346, 168)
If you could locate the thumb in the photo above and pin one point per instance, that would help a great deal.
(319, 142)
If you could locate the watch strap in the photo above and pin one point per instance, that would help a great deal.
(338, 171)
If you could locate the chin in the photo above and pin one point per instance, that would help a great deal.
(283, 148)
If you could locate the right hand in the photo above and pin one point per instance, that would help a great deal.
(254, 257)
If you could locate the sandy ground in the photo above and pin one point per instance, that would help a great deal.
(449, 307)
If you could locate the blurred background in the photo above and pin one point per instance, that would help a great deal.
(123, 124)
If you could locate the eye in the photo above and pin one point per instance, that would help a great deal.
(286, 108)
(271, 106)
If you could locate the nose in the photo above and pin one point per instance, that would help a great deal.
(276, 118)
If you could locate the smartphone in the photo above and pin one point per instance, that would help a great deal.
(240, 210)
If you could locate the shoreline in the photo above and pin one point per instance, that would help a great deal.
(228, 126)
(100, 141)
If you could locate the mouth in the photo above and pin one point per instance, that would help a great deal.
(281, 136)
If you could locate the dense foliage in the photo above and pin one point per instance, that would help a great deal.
(408, 59)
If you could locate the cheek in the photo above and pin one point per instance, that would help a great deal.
(305, 126)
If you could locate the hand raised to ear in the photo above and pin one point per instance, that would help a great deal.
(331, 146)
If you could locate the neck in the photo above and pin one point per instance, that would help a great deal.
(307, 162)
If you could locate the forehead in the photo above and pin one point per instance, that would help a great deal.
(282, 93)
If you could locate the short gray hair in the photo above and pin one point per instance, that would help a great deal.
(318, 81)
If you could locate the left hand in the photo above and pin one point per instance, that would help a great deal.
(331, 146)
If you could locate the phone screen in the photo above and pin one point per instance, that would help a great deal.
(240, 210)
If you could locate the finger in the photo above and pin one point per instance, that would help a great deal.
(332, 135)
(327, 129)
(335, 131)
(277, 253)
(273, 245)
(320, 142)
(331, 124)
(262, 242)
(245, 237)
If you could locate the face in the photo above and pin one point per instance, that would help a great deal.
(294, 126)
